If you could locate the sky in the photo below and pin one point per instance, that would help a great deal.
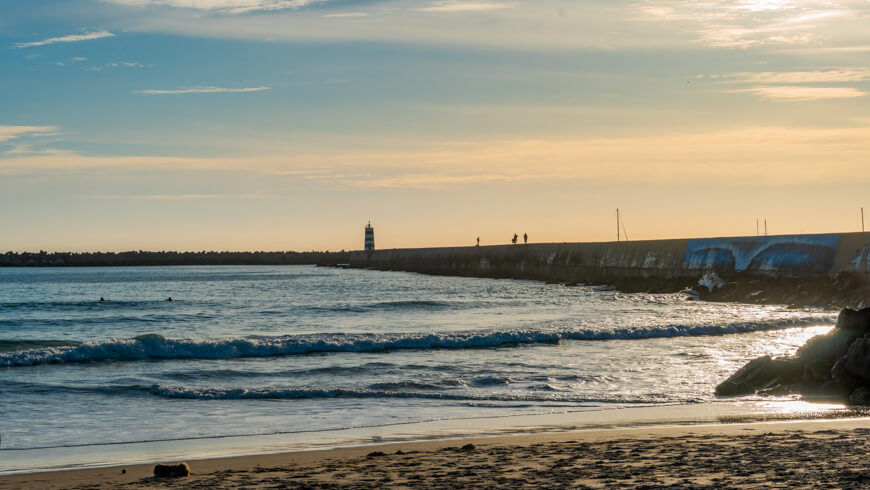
(289, 124)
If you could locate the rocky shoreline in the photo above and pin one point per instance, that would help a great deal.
(833, 366)
(841, 291)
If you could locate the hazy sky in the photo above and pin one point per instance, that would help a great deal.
(288, 124)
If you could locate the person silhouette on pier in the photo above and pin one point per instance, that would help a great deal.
(514, 239)
(525, 238)
(478, 242)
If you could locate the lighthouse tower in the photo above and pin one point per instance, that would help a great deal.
(370, 237)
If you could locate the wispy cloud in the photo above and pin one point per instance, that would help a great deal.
(838, 75)
(73, 38)
(123, 64)
(763, 156)
(789, 85)
(747, 24)
(461, 6)
(791, 93)
(346, 14)
(225, 6)
(201, 90)
(8, 133)
(179, 197)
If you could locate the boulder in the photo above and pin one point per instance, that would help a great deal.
(743, 381)
(826, 392)
(861, 396)
(828, 347)
(834, 365)
(854, 321)
(857, 359)
(762, 373)
(843, 377)
(817, 371)
(171, 470)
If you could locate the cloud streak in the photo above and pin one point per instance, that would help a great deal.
(748, 24)
(839, 75)
(73, 38)
(179, 197)
(224, 6)
(454, 6)
(201, 90)
(760, 155)
(8, 133)
(791, 93)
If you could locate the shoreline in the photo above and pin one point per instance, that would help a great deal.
(518, 457)
(36, 461)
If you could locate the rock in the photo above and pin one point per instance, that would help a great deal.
(818, 371)
(171, 470)
(843, 377)
(827, 391)
(468, 447)
(834, 365)
(762, 373)
(854, 321)
(776, 390)
(861, 396)
(857, 359)
(828, 347)
(744, 380)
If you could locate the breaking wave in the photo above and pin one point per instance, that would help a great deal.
(294, 393)
(154, 346)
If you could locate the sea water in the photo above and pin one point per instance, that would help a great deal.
(249, 352)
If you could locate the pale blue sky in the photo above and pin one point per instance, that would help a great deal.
(287, 124)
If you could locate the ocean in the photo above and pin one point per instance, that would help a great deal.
(245, 355)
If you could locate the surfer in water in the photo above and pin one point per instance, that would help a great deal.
(169, 298)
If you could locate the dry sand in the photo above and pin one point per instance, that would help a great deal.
(793, 454)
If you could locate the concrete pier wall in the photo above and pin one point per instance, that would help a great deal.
(679, 261)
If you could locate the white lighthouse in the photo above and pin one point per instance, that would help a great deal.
(370, 237)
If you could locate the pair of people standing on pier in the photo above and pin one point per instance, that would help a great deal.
(525, 238)
(513, 240)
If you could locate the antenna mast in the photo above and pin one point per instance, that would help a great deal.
(617, 225)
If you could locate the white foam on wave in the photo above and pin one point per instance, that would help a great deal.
(295, 393)
(154, 346)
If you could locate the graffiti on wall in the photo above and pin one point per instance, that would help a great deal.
(784, 254)
(861, 262)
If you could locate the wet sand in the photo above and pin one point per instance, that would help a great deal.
(802, 454)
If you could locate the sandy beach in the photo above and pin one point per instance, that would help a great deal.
(773, 454)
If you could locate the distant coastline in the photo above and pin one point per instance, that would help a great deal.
(146, 258)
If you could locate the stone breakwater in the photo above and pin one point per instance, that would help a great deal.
(824, 270)
(835, 365)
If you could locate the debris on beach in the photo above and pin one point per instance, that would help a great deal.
(835, 365)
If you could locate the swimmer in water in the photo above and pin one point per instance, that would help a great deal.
(169, 298)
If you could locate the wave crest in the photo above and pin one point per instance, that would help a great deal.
(153, 346)
(296, 393)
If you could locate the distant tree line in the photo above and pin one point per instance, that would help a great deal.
(142, 257)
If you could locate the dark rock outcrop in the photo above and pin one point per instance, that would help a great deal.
(171, 470)
(834, 365)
